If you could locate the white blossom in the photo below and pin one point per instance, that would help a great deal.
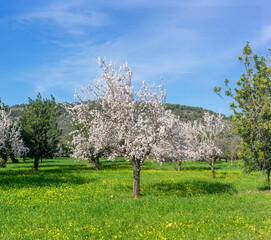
(10, 136)
(202, 136)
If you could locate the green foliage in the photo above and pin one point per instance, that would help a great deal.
(67, 200)
(40, 128)
(251, 108)
(66, 148)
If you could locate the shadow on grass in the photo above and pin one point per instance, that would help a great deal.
(264, 188)
(117, 164)
(186, 166)
(45, 168)
(185, 188)
(198, 167)
(45, 178)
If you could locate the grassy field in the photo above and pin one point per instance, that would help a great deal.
(67, 200)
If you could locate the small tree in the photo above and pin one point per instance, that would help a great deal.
(202, 139)
(172, 147)
(228, 142)
(11, 144)
(251, 104)
(94, 136)
(40, 128)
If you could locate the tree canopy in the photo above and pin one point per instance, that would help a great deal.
(40, 128)
(251, 106)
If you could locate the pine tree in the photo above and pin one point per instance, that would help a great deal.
(40, 128)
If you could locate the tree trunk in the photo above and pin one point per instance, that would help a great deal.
(13, 159)
(212, 165)
(36, 164)
(136, 171)
(136, 185)
(179, 165)
(4, 161)
(226, 159)
(232, 161)
(268, 180)
(97, 163)
(213, 171)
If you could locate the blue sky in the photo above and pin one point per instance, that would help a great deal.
(52, 46)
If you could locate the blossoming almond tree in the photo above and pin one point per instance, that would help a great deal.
(172, 147)
(93, 138)
(11, 143)
(137, 117)
(202, 139)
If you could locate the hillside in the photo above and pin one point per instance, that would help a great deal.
(185, 113)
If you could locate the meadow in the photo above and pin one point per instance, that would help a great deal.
(66, 199)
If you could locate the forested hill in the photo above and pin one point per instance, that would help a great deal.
(186, 113)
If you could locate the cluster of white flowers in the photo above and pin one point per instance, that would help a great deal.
(203, 136)
(4, 127)
(202, 139)
(172, 144)
(10, 136)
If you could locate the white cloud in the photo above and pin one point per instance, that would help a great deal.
(266, 33)
(161, 52)
(70, 16)
(262, 37)
(153, 48)
(122, 4)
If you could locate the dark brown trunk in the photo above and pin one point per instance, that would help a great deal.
(226, 159)
(136, 185)
(268, 180)
(36, 164)
(13, 159)
(179, 165)
(232, 161)
(136, 171)
(97, 163)
(4, 161)
(212, 166)
(213, 171)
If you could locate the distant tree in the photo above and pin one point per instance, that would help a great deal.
(173, 146)
(203, 136)
(66, 147)
(11, 144)
(228, 142)
(40, 128)
(251, 106)
(59, 151)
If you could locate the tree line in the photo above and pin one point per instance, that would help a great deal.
(113, 119)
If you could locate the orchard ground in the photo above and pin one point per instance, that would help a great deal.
(66, 199)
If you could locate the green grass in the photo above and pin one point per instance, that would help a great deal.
(67, 200)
